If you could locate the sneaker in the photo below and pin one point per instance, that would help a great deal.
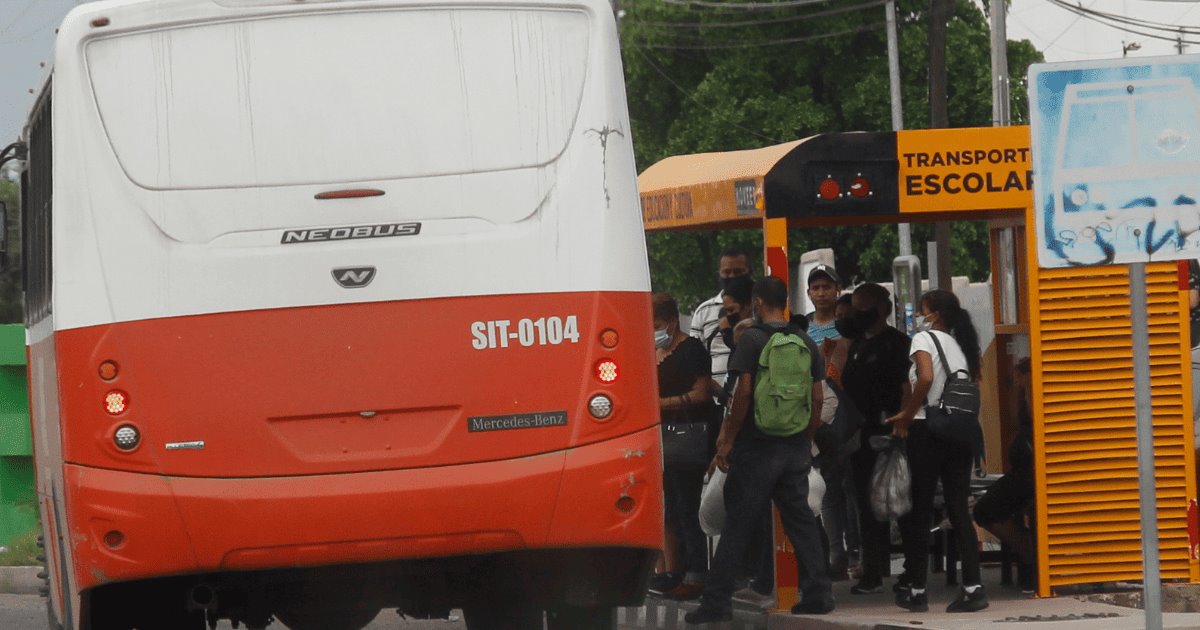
(867, 588)
(686, 591)
(916, 602)
(813, 608)
(903, 583)
(663, 582)
(705, 615)
(968, 602)
(754, 598)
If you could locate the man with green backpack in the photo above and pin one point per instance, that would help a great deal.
(765, 445)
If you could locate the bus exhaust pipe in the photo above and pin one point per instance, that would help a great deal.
(203, 596)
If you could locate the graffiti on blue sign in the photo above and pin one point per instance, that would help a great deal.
(1116, 161)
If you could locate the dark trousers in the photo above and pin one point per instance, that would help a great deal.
(681, 498)
(874, 536)
(839, 511)
(931, 459)
(761, 471)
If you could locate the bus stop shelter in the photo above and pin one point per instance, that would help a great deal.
(1073, 323)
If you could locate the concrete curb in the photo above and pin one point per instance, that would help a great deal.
(20, 580)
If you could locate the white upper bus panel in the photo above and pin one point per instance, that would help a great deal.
(294, 101)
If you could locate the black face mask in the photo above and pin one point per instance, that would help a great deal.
(857, 324)
(847, 328)
(733, 318)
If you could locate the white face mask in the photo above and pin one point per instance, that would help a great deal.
(922, 323)
(662, 338)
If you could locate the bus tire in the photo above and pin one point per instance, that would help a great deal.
(582, 618)
(328, 618)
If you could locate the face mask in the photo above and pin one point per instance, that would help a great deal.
(847, 328)
(922, 323)
(662, 338)
(734, 318)
(863, 320)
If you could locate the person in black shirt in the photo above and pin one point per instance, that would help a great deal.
(875, 380)
(763, 468)
(684, 386)
(1003, 510)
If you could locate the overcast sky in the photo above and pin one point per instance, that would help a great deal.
(27, 38)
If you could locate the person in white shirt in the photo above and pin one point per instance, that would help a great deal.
(733, 263)
(931, 457)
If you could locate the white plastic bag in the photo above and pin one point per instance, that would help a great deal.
(816, 490)
(891, 484)
(712, 504)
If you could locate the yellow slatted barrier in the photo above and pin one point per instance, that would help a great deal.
(1088, 518)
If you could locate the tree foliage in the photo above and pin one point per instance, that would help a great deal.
(712, 79)
(10, 275)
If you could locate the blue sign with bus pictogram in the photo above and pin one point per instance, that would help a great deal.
(1116, 148)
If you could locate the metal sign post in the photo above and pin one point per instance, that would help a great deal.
(1114, 142)
(1147, 495)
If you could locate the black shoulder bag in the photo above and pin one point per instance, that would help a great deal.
(955, 417)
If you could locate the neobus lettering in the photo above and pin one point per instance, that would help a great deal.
(543, 331)
(955, 183)
(350, 232)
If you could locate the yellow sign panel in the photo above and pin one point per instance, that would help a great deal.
(983, 168)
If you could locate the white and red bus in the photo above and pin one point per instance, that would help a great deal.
(337, 306)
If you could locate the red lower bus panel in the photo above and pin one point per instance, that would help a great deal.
(606, 494)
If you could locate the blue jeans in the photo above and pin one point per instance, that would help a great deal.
(761, 471)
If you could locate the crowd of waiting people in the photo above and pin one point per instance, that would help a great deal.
(844, 383)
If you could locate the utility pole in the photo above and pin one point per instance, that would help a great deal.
(1000, 82)
(1179, 45)
(904, 231)
(939, 118)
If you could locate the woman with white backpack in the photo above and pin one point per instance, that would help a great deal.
(941, 445)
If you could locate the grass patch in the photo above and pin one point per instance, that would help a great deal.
(23, 551)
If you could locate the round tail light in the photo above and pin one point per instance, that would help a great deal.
(116, 402)
(127, 437)
(607, 371)
(600, 406)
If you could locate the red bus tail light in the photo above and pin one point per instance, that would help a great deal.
(108, 370)
(116, 402)
(607, 371)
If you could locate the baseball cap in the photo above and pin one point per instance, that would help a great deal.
(824, 270)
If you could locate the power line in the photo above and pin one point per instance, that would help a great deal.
(1128, 25)
(18, 15)
(697, 101)
(793, 18)
(760, 44)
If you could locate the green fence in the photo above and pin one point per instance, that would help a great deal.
(18, 500)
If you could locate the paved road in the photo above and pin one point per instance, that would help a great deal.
(28, 612)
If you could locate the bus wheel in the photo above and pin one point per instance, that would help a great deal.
(588, 618)
(314, 617)
(507, 616)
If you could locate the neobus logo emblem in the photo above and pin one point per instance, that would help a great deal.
(317, 235)
(354, 277)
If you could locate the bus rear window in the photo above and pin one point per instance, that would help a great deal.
(341, 97)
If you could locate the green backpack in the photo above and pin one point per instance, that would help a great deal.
(783, 384)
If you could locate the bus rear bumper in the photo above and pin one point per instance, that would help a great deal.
(132, 526)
